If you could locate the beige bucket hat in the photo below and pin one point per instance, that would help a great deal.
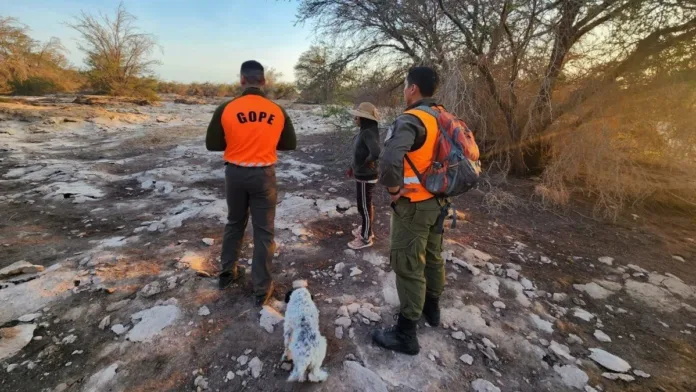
(366, 110)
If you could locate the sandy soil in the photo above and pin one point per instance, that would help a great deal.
(109, 207)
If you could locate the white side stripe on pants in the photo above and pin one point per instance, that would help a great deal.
(366, 227)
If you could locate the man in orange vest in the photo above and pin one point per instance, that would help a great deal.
(250, 129)
(416, 223)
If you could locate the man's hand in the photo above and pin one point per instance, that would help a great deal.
(395, 193)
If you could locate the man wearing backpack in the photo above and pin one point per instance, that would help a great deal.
(417, 215)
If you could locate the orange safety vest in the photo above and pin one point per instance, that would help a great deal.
(422, 158)
(252, 126)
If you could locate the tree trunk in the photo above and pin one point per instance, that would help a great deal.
(517, 161)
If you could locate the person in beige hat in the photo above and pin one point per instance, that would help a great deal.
(366, 151)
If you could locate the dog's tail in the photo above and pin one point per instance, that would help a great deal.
(298, 284)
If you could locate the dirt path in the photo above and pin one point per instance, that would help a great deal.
(114, 204)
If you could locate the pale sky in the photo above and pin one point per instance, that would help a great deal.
(202, 40)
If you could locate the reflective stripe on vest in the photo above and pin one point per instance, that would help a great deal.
(421, 158)
(252, 126)
(252, 164)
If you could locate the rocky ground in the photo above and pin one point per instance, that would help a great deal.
(110, 225)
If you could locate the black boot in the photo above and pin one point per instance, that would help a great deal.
(401, 337)
(431, 310)
(227, 278)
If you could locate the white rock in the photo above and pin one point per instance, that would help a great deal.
(609, 285)
(208, 241)
(70, 339)
(349, 252)
(474, 271)
(481, 385)
(459, 335)
(678, 258)
(355, 271)
(152, 322)
(375, 259)
(117, 305)
(582, 314)
(637, 268)
(593, 290)
(229, 376)
(18, 268)
(343, 311)
(541, 324)
(14, 339)
(641, 373)
(499, 305)
(105, 322)
(544, 259)
(574, 339)
(618, 376)
(29, 317)
(369, 314)
(351, 333)
(343, 322)
(559, 297)
(561, 350)
(512, 274)
(12, 367)
(572, 376)
(590, 389)
(467, 359)
(606, 260)
(201, 382)
(269, 318)
(339, 332)
(203, 311)
(101, 380)
(489, 285)
(242, 360)
(118, 329)
(527, 284)
(601, 336)
(361, 379)
(256, 366)
(353, 308)
(150, 289)
(339, 267)
(609, 361)
(487, 342)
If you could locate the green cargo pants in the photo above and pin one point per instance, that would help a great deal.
(415, 254)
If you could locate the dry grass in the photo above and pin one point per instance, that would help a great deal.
(629, 152)
(497, 200)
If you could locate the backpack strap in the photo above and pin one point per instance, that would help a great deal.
(434, 113)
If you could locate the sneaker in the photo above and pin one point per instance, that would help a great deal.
(226, 279)
(360, 243)
(357, 233)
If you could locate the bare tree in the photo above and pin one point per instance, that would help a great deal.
(525, 63)
(118, 53)
(28, 66)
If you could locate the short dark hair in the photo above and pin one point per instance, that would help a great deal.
(252, 71)
(425, 78)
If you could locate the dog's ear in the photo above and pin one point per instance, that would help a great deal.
(287, 295)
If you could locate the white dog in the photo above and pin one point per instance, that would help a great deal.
(304, 345)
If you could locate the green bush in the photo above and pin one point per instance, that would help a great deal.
(35, 86)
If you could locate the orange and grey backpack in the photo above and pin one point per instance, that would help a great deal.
(455, 168)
